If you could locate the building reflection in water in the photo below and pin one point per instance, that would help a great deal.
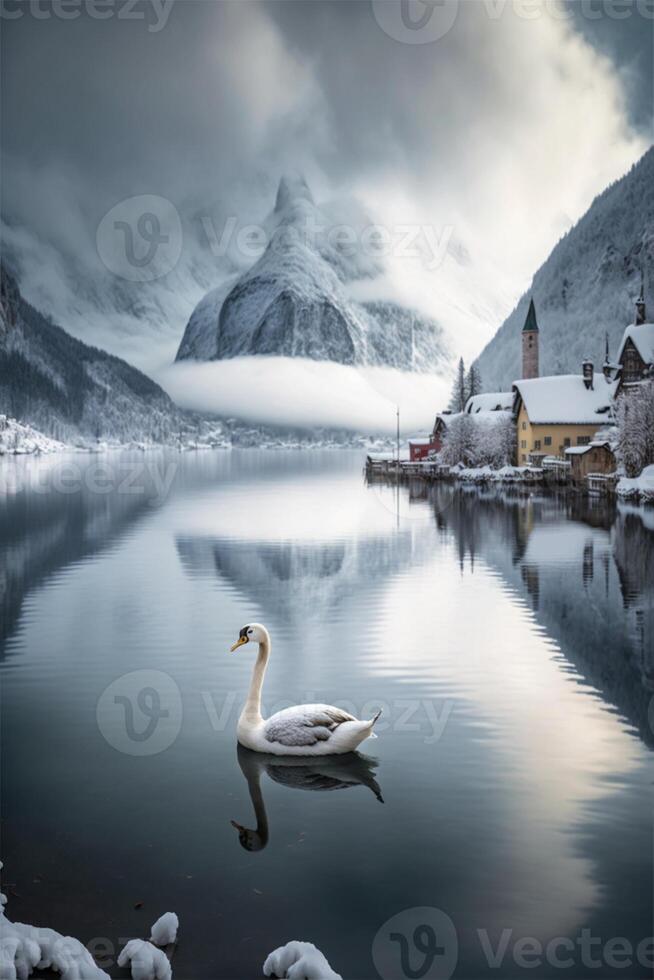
(587, 569)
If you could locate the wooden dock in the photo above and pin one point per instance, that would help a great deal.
(388, 467)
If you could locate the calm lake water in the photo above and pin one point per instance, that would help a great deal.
(508, 640)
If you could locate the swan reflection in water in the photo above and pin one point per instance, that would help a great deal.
(317, 774)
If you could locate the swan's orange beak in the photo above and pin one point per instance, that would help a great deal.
(239, 643)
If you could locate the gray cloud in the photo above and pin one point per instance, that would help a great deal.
(503, 129)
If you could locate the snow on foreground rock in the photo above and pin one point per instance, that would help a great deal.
(299, 961)
(25, 948)
(18, 439)
(147, 961)
(164, 931)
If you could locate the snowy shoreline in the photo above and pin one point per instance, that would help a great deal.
(19, 440)
(26, 948)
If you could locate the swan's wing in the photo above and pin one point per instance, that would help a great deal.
(306, 724)
(309, 779)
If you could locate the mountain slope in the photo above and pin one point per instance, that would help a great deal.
(69, 390)
(294, 301)
(587, 286)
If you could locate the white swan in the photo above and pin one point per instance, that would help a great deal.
(307, 729)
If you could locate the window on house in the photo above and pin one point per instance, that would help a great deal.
(548, 440)
(583, 440)
(524, 426)
(566, 443)
(537, 444)
(523, 443)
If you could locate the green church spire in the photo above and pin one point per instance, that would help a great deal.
(530, 322)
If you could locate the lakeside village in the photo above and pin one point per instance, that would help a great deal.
(590, 432)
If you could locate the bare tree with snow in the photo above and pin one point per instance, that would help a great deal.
(636, 429)
(460, 442)
(496, 441)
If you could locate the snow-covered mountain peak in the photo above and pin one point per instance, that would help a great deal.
(294, 300)
(292, 187)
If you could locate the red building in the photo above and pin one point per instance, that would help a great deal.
(421, 448)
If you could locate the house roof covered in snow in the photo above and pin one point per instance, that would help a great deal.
(642, 337)
(445, 418)
(564, 399)
(480, 417)
(490, 401)
(595, 444)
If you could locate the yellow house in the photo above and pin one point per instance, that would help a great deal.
(555, 413)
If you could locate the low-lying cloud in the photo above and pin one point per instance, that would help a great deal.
(306, 394)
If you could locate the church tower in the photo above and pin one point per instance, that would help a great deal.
(530, 344)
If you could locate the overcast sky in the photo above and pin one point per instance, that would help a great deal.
(502, 123)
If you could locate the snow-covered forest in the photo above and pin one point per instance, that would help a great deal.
(68, 390)
(587, 287)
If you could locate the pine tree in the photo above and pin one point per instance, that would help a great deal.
(459, 398)
(473, 382)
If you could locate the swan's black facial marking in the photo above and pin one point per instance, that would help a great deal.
(243, 635)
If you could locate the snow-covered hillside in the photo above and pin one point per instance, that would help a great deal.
(587, 286)
(295, 301)
(70, 391)
(20, 440)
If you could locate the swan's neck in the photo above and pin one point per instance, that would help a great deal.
(251, 713)
(254, 786)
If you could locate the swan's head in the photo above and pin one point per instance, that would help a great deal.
(250, 840)
(253, 633)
